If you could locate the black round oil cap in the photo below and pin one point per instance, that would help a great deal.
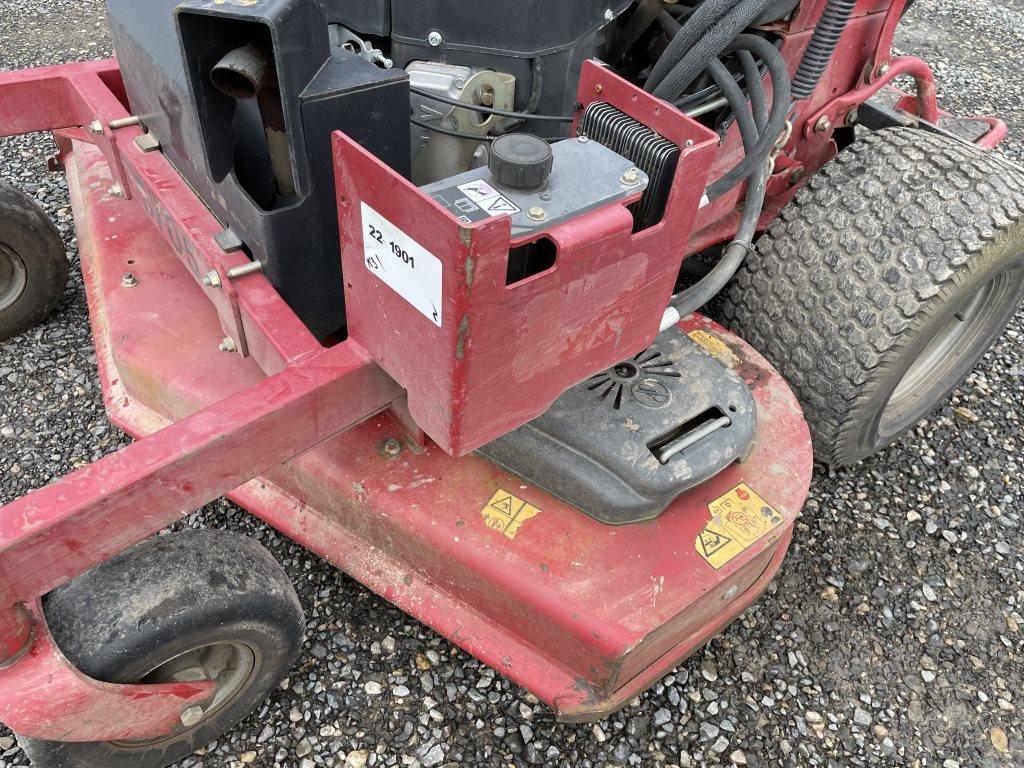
(520, 160)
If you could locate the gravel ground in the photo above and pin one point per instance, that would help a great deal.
(892, 637)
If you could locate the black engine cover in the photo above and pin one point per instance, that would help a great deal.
(168, 47)
(623, 444)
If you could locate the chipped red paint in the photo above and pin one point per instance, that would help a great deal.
(584, 615)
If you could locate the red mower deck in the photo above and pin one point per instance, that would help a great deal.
(582, 614)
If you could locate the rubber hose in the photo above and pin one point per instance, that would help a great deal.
(710, 45)
(699, 294)
(777, 116)
(749, 129)
(729, 119)
(709, 286)
(752, 74)
(706, 14)
(829, 29)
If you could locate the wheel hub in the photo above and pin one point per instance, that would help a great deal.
(229, 665)
(941, 357)
(13, 277)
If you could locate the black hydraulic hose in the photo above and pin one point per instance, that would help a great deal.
(750, 131)
(823, 44)
(752, 73)
(699, 294)
(706, 14)
(777, 116)
(709, 46)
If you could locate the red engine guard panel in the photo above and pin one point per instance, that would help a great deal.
(503, 353)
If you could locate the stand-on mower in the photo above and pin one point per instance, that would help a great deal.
(416, 282)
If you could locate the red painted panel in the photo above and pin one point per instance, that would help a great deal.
(504, 353)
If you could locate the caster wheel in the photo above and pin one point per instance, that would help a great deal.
(33, 264)
(189, 606)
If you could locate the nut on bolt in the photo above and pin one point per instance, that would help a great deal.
(392, 447)
(228, 345)
(212, 279)
(95, 127)
(192, 716)
(128, 280)
(883, 69)
(823, 124)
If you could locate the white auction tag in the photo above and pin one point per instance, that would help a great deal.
(413, 272)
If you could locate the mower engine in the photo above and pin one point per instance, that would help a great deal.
(243, 103)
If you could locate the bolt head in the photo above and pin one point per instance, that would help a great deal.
(630, 177)
(609, 15)
(128, 280)
(212, 279)
(228, 345)
(883, 69)
(392, 447)
(537, 213)
(823, 124)
(95, 127)
(116, 191)
(192, 716)
(435, 39)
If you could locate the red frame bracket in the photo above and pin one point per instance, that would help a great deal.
(85, 709)
(67, 98)
(836, 111)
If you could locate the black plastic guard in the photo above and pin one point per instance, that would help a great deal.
(623, 444)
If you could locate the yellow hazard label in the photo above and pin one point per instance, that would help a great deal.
(506, 513)
(715, 347)
(738, 519)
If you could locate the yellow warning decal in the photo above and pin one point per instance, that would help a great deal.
(738, 519)
(715, 347)
(506, 513)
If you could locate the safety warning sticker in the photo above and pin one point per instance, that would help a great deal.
(715, 347)
(488, 198)
(738, 519)
(412, 271)
(506, 513)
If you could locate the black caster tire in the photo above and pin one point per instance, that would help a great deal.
(207, 603)
(879, 288)
(33, 264)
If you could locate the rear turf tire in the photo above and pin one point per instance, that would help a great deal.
(879, 288)
(33, 264)
(208, 601)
